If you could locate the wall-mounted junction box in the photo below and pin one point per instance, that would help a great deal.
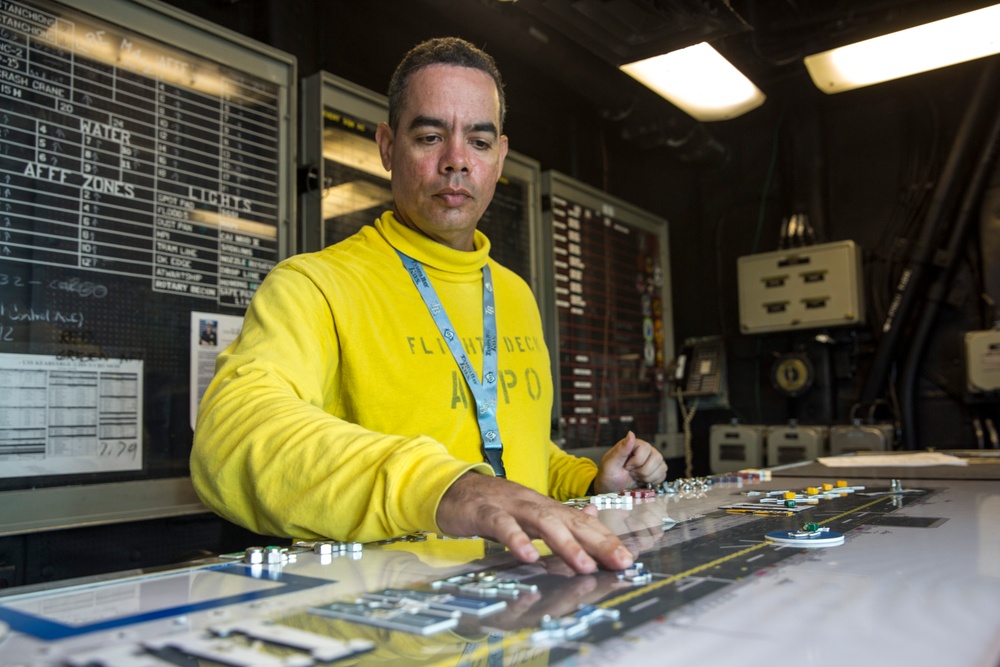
(793, 443)
(982, 360)
(671, 445)
(859, 437)
(735, 447)
(801, 288)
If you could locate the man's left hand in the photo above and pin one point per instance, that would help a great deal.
(628, 464)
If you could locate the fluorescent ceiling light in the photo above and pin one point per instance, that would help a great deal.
(930, 46)
(699, 81)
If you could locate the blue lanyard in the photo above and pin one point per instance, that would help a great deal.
(485, 392)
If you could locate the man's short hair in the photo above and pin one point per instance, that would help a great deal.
(441, 51)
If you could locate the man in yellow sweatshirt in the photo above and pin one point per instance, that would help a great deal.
(399, 380)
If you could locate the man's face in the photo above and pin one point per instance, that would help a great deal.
(447, 153)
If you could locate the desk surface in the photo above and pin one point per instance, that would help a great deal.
(916, 582)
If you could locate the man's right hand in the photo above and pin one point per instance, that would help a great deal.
(513, 515)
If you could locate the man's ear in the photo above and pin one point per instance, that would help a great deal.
(503, 150)
(384, 138)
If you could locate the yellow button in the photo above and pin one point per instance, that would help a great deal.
(828, 487)
(812, 490)
(789, 495)
(841, 483)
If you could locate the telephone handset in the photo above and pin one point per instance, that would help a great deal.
(699, 368)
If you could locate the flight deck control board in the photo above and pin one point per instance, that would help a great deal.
(915, 582)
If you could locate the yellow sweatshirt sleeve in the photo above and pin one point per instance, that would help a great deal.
(569, 476)
(269, 453)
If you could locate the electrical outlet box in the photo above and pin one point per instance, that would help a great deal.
(801, 288)
(794, 443)
(671, 445)
(861, 438)
(982, 360)
(735, 447)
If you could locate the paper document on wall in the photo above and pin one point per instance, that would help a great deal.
(211, 333)
(66, 415)
(914, 459)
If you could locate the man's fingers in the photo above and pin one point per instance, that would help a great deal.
(513, 515)
(647, 464)
(623, 449)
(510, 534)
(582, 534)
(564, 543)
(641, 455)
(575, 536)
(499, 525)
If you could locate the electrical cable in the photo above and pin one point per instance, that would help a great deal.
(922, 160)
(955, 239)
(768, 179)
(688, 417)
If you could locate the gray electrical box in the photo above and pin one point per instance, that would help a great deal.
(801, 288)
(735, 447)
(857, 437)
(794, 443)
(982, 360)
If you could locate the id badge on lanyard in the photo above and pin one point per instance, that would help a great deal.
(484, 391)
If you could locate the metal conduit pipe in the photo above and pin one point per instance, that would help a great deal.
(938, 291)
(912, 280)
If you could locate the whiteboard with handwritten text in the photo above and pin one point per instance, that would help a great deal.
(146, 172)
